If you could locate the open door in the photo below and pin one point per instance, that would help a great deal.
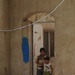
(37, 43)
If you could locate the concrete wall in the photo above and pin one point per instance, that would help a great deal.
(4, 38)
(65, 39)
(64, 34)
(20, 10)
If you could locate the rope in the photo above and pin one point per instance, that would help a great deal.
(35, 21)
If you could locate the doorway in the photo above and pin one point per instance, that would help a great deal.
(49, 42)
(43, 36)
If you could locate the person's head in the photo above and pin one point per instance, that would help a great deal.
(42, 51)
(46, 59)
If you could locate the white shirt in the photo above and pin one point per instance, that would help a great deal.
(47, 67)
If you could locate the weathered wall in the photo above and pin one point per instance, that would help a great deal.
(21, 10)
(4, 38)
(64, 34)
(65, 39)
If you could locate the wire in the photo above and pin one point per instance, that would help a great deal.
(35, 21)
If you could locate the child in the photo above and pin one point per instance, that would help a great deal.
(48, 70)
(40, 61)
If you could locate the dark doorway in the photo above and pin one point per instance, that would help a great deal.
(49, 42)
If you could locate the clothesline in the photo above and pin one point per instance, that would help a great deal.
(35, 21)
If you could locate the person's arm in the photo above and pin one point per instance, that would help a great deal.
(51, 69)
(36, 60)
(39, 61)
